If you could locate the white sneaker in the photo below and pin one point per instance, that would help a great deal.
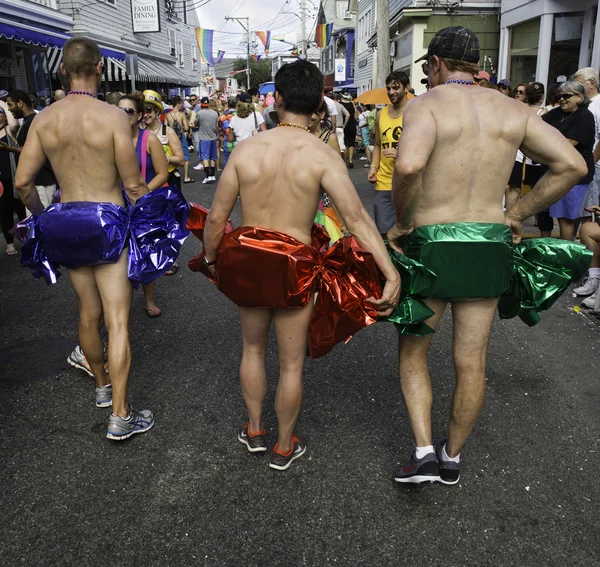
(198, 167)
(590, 285)
(206, 181)
(590, 302)
(212, 179)
(362, 158)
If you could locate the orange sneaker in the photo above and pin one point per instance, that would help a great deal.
(282, 461)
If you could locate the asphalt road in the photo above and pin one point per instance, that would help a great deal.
(188, 493)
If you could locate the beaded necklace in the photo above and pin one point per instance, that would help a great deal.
(292, 125)
(459, 82)
(81, 93)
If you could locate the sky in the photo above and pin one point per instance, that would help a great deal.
(281, 17)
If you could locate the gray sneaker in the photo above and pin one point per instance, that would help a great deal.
(449, 470)
(104, 396)
(138, 422)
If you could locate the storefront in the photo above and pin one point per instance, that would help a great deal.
(548, 40)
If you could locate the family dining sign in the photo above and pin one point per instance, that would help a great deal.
(145, 16)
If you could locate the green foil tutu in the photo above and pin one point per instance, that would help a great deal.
(459, 261)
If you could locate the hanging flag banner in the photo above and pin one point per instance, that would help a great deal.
(220, 55)
(204, 38)
(265, 38)
(323, 35)
(279, 38)
(144, 16)
(256, 58)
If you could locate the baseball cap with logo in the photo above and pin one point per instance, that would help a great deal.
(204, 102)
(455, 42)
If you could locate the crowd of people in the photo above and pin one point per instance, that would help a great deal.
(281, 157)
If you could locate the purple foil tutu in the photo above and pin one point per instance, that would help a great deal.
(80, 234)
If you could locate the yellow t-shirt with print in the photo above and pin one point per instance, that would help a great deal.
(390, 130)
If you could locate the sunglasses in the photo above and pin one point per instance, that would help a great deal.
(149, 110)
(129, 111)
(565, 96)
(503, 87)
(520, 92)
(425, 68)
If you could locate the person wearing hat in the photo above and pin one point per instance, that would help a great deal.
(449, 219)
(505, 86)
(207, 120)
(481, 76)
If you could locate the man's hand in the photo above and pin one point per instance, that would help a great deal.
(395, 234)
(390, 153)
(389, 298)
(372, 174)
(516, 227)
(593, 209)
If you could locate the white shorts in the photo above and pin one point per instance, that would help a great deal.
(339, 132)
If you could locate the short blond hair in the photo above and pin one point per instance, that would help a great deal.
(588, 74)
(461, 66)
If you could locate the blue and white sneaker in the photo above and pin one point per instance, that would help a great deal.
(104, 396)
(120, 429)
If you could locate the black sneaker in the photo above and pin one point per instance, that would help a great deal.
(417, 471)
(449, 470)
(282, 461)
(255, 442)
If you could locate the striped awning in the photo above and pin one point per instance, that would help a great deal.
(160, 72)
(114, 70)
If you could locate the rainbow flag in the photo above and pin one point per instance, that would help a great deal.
(278, 38)
(204, 38)
(323, 34)
(256, 58)
(265, 38)
(220, 55)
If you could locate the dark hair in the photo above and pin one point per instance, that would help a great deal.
(20, 96)
(33, 95)
(487, 84)
(397, 77)
(513, 93)
(80, 57)
(326, 120)
(137, 99)
(176, 100)
(114, 97)
(100, 96)
(300, 85)
(552, 96)
(534, 93)
(253, 91)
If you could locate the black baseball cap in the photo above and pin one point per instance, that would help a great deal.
(204, 101)
(455, 42)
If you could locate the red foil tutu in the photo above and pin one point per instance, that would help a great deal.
(263, 268)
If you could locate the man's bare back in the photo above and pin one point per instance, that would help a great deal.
(281, 188)
(475, 146)
(87, 142)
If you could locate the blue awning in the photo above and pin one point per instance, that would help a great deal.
(31, 35)
(112, 54)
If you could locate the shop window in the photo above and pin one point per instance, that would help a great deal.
(566, 45)
(524, 40)
(180, 58)
(172, 42)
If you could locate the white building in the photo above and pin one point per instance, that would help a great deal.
(548, 40)
(365, 58)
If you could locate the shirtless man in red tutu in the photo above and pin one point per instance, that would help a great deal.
(279, 176)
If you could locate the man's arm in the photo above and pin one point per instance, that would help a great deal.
(339, 187)
(32, 160)
(126, 158)
(414, 148)
(224, 200)
(376, 155)
(546, 145)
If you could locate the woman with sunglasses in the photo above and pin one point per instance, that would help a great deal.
(153, 164)
(576, 123)
(519, 92)
(9, 202)
(171, 143)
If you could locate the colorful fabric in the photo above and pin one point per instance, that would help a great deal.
(265, 39)
(204, 38)
(77, 234)
(323, 35)
(263, 268)
(457, 261)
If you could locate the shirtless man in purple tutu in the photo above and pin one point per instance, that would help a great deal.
(89, 146)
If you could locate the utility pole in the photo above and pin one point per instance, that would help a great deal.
(303, 40)
(247, 30)
(383, 43)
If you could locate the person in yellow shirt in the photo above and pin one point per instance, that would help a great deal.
(388, 128)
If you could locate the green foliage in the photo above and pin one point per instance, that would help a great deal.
(259, 72)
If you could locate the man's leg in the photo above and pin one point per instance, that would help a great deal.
(255, 325)
(116, 293)
(472, 326)
(291, 327)
(90, 321)
(414, 376)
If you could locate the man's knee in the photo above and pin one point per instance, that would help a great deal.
(90, 316)
(469, 364)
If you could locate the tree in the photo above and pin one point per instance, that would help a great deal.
(259, 72)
